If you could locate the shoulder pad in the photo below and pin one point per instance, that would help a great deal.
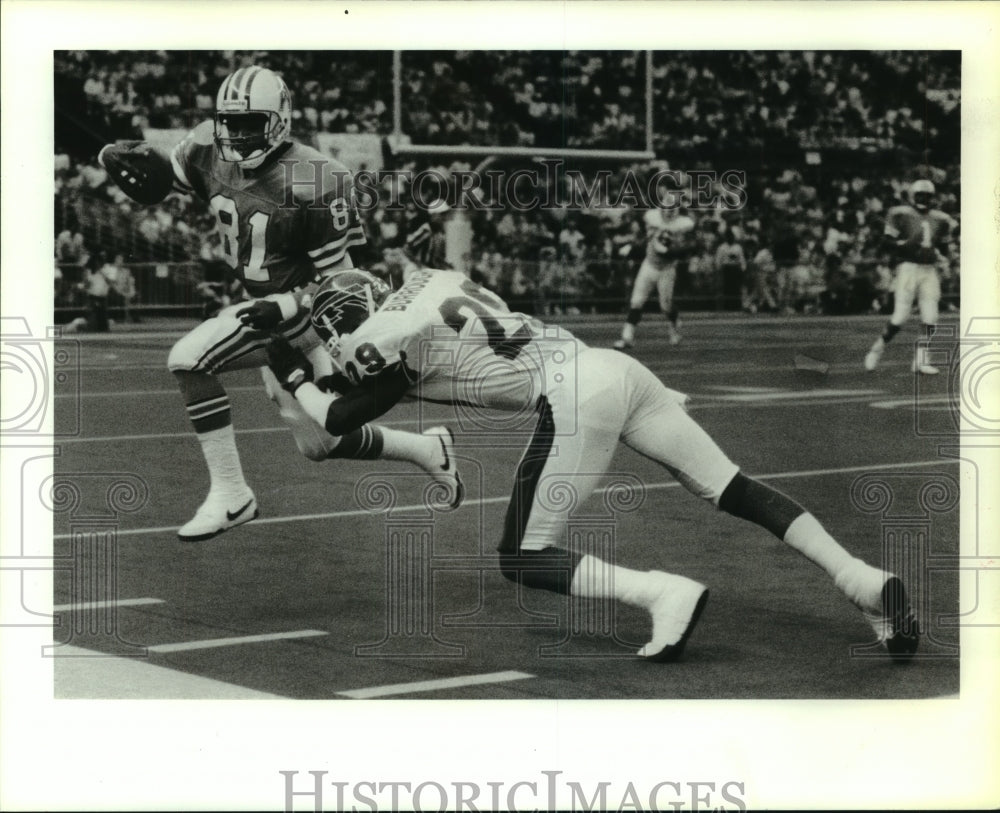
(203, 134)
(337, 179)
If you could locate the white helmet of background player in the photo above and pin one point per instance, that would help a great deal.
(922, 194)
(342, 302)
(253, 116)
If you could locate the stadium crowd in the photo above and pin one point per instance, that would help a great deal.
(807, 238)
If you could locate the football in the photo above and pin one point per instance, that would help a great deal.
(141, 171)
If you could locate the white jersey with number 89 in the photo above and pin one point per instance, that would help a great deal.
(459, 344)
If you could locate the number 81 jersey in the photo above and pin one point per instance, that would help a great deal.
(459, 344)
(280, 225)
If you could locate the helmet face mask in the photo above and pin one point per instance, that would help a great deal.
(253, 116)
(922, 195)
(343, 302)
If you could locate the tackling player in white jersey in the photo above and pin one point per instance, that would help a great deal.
(286, 218)
(914, 235)
(443, 338)
(670, 237)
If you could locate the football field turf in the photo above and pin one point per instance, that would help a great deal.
(347, 587)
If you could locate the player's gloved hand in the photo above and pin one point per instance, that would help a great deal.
(289, 364)
(261, 314)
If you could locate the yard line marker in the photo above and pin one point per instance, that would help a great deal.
(211, 643)
(360, 512)
(146, 393)
(97, 605)
(784, 399)
(191, 434)
(919, 402)
(748, 390)
(434, 685)
(115, 678)
(790, 394)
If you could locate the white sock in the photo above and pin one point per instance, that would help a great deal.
(421, 450)
(595, 578)
(223, 460)
(810, 539)
(628, 332)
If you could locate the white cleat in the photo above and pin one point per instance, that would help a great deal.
(920, 364)
(621, 344)
(447, 490)
(873, 358)
(675, 613)
(217, 515)
(674, 338)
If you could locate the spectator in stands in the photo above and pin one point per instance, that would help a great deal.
(96, 288)
(122, 291)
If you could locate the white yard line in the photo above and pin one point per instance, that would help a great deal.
(97, 605)
(779, 398)
(82, 674)
(789, 395)
(212, 643)
(434, 685)
(924, 402)
(357, 512)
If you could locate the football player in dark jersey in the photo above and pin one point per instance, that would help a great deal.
(286, 218)
(914, 235)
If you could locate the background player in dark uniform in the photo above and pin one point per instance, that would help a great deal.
(914, 235)
(285, 216)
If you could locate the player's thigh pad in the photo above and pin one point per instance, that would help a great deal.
(665, 287)
(225, 343)
(587, 414)
(645, 281)
(904, 290)
(659, 427)
(929, 295)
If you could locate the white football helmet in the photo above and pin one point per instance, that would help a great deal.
(343, 301)
(253, 116)
(922, 194)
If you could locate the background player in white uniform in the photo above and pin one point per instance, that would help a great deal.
(669, 237)
(914, 235)
(443, 338)
(286, 217)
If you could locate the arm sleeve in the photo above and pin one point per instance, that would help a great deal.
(891, 230)
(366, 402)
(182, 156)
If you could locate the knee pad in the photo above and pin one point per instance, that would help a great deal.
(546, 569)
(762, 505)
(182, 355)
